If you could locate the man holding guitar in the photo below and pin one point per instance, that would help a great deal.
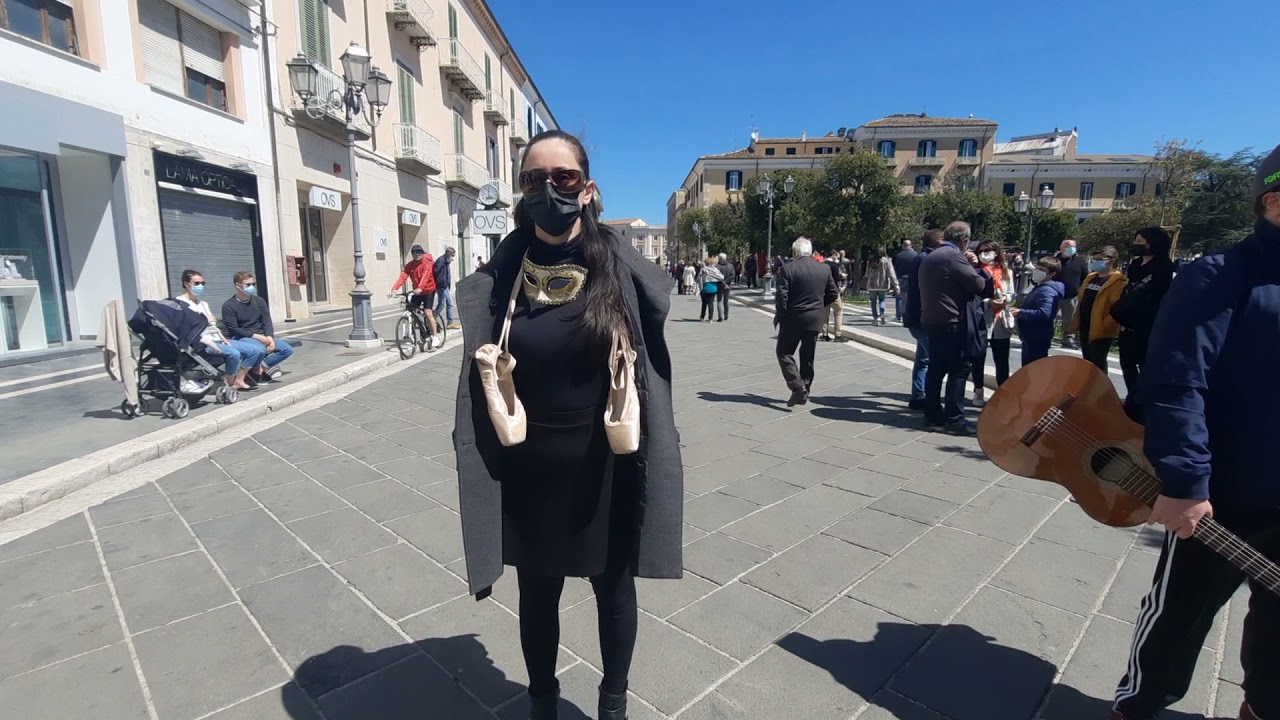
(1212, 405)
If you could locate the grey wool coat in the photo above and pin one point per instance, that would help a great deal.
(482, 303)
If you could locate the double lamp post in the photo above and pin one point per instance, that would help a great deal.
(365, 92)
(766, 190)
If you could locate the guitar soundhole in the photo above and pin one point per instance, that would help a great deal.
(1112, 465)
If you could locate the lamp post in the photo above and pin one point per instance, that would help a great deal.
(766, 190)
(697, 238)
(1023, 206)
(365, 88)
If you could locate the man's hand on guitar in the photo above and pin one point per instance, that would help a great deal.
(1179, 516)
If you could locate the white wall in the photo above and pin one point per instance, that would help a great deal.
(91, 260)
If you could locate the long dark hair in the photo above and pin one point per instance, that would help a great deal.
(604, 310)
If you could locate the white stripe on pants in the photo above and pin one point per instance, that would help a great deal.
(1152, 606)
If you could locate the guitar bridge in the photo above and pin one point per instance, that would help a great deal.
(1052, 415)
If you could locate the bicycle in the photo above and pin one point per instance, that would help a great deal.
(411, 329)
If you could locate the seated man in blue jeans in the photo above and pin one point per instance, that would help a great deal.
(248, 318)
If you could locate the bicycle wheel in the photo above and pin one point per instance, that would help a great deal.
(405, 341)
(441, 328)
(424, 337)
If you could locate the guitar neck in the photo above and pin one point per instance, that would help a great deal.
(1146, 487)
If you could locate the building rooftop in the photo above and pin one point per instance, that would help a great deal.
(1078, 160)
(923, 120)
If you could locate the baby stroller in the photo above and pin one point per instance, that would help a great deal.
(171, 367)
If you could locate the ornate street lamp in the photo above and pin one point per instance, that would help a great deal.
(765, 189)
(365, 94)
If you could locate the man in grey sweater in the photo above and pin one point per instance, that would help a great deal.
(951, 281)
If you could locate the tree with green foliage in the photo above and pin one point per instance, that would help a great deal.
(725, 232)
(755, 212)
(990, 215)
(846, 204)
(1176, 170)
(1117, 227)
(691, 241)
(1220, 211)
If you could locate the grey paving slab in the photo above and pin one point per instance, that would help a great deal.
(1002, 513)
(298, 500)
(160, 592)
(197, 474)
(445, 493)
(301, 449)
(335, 618)
(56, 628)
(889, 705)
(899, 466)
(799, 516)
(927, 451)
(1131, 586)
(379, 451)
(417, 472)
(866, 482)
(579, 686)
(875, 530)
(206, 662)
(385, 500)
(478, 643)
(348, 437)
(825, 670)
(421, 441)
(144, 540)
(105, 686)
(402, 692)
(1057, 575)
(945, 486)
(212, 501)
(130, 509)
(344, 408)
(436, 532)
(761, 490)
(975, 466)
(711, 430)
(996, 659)
(316, 422)
(661, 598)
(794, 447)
(726, 471)
(341, 534)
(251, 547)
(802, 472)
(954, 562)
(380, 423)
(709, 451)
(1231, 670)
(690, 533)
(1070, 526)
(340, 473)
(261, 474)
(399, 581)
(287, 702)
(842, 458)
(913, 506)
(506, 592)
(240, 452)
(60, 534)
(739, 619)
(670, 668)
(715, 510)
(814, 572)
(864, 445)
(34, 577)
(1031, 485)
(720, 558)
(281, 432)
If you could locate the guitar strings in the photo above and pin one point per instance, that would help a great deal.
(1268, 571)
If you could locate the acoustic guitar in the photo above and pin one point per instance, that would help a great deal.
(1059, 419)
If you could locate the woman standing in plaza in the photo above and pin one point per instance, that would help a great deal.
(561, 503)
(999, 322)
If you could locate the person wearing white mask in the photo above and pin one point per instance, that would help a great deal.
(238, 356)
(999, 330)
(1035, 315)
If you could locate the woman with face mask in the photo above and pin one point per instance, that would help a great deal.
(561, 503)
(1099, 291)
(999, 324)
(1150, 273)
(237, 356)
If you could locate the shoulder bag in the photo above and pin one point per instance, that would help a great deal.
(496, 365)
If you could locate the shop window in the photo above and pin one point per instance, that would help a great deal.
(181, 54)
(45, 21)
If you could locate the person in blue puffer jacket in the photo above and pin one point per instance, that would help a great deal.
(1036, 313)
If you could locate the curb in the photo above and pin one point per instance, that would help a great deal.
(44, 486)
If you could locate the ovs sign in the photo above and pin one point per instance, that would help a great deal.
(489, 222)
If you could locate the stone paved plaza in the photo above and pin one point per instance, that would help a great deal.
(840, 563)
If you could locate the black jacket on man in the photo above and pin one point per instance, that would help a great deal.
(1074, 269)
(911, 313)
(904, 263)
(805, 288)
(948, 281)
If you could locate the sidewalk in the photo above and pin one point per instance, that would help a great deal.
(840, 563)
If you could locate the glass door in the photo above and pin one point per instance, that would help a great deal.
(313, 248)
(28, 260)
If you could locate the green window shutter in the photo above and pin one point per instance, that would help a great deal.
(457, 132)
(488, 73)
(405, 88)
(313, 16)
(511, 105)
(453, 22)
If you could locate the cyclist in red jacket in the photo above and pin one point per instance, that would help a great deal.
(423, 298)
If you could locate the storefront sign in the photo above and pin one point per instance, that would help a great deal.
(489, 222)
(411, 217)
(325, 199)
(203, 176)
(384, 241)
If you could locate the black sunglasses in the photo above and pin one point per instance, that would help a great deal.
(533, 182)
(194, 283)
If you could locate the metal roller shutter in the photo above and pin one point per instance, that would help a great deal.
(208, 234)
(161, 49)
(202, 48)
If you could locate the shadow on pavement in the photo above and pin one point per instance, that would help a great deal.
(851, 409)
(962, 674)
(348, 683)
(749, 399)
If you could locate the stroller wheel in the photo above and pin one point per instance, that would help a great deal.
(232, 395)
(180, 408)
(226, 395)
(167, 408)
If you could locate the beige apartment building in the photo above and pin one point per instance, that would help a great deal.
(462, 108)
(649, 240)
(923, 151)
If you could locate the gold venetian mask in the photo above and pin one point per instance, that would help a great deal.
(553, 285)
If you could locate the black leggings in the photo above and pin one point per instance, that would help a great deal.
(708, 303)
(999, 349)
(615, 591)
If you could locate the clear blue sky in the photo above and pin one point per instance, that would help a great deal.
(657, 83)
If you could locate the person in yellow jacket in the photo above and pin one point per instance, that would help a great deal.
(1099, 291)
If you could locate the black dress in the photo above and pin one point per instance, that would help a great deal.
(559, 499)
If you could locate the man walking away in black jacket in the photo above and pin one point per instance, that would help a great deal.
(722, 297)
(1074, 268)
(903, 264)
(911, 316)
(950, 280)
(805, 288)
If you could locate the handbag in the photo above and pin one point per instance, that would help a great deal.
(622, 409)
(496, 362)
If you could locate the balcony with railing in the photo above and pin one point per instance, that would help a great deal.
(417, 151)
(918, 161)
(462, 70)
(325, 113)
(519, 131)
(416, 18)
(890, 160)
(495, 108)
(460, 170)
(504, 192)
(968, 161)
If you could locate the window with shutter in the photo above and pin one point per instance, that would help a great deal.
(457, 132)
(488, 73)
(161, 46)
(201, 47)
(453, 22)
(313, 17)
(405, 87)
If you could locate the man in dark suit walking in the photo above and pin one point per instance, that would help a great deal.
(805, 288)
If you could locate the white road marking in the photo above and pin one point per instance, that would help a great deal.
(59, 373)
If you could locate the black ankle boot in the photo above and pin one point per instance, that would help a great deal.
(613, 707)
(546, 707)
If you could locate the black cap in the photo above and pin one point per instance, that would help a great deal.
(417, 249)
(1268, 177)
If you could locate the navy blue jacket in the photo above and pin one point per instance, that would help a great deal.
(1209, 387)
(911, 313)
(1035, 313)
(443, 272)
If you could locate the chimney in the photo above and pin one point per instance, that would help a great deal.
(755, 135)
(804, 135)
